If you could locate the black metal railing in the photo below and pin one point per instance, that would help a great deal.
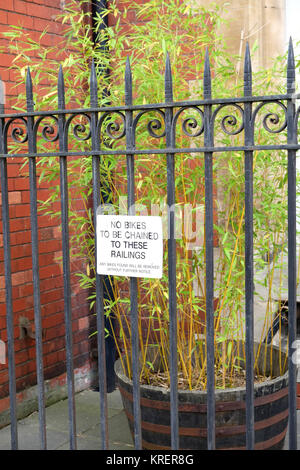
(207, 108)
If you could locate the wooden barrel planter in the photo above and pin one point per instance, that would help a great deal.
(271, 414)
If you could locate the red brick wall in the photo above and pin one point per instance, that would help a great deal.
(35, 16)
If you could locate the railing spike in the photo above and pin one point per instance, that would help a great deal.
(128, 83)
(247, 72)
(93, 85)
(61, 88)
(2, 95)
(291, 75)
(29, 91)
(168, 81)
(206, 76)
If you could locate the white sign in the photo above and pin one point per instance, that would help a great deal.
(129, 245)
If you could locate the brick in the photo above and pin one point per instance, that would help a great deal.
(49, 246)
(25, 197)
(46, 259)
(19, 225)
(20, 251)
(21, 264)
(18, 238)
(2, 311)
(6, 59)
(48, 284)
(52, 308)
(49, 271)
(58, 256)
(83, 323)
(53, 320)
(51, 333)
(47, 222)
(20, 6)
(14, 197)
(25, 290)
(22, 356)
(57, 232)
(4, 73)
(51, 359)
(3, 17)
(4, 404)
(41, 24)
(9, 4)
(47, 233)
(56, 344)
(19, 184)
(21, 305)
(21, 211)
(51, 296)
(50, 39)
(21, 277)
(54, 3)
(18, 278)
(43, 193)
(24, 370)
(19, 20)
(42, 11)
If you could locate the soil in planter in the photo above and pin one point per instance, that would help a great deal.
(238, 379)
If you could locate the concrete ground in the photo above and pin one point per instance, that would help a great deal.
(87, 425)
(87, 422)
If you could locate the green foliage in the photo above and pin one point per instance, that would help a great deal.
(184, 32)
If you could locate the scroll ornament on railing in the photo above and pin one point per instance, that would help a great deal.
(226, 116)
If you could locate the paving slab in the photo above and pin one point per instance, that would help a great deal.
(87, 406)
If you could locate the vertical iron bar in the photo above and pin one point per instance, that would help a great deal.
(209, 246)
(8, 289)
(99, 7)
(99, 279)
(63, 146)
(171, 261)
(292, 268)
(133, 281)
(35, 263)
(248, 157)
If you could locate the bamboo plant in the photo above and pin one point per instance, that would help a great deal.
(184, 32)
